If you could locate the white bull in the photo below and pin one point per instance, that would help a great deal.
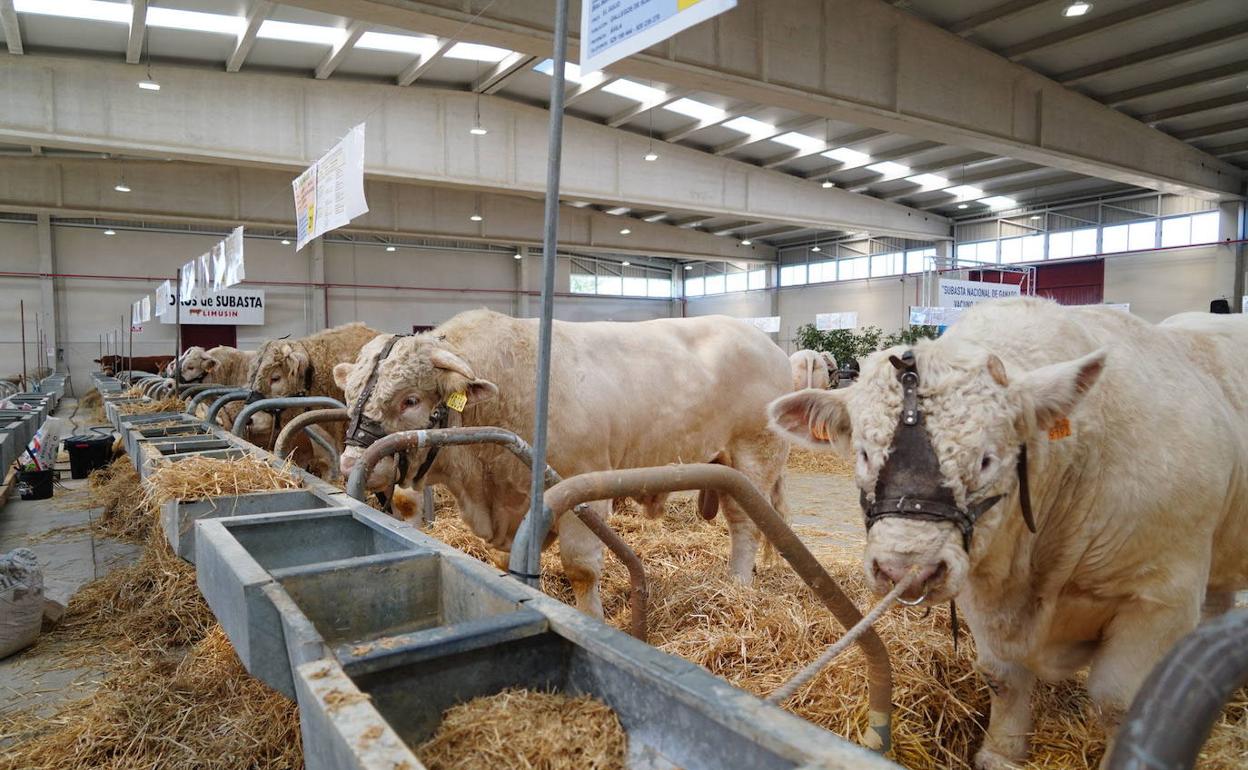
(1139, 487)
(812, 369)
(622, 395)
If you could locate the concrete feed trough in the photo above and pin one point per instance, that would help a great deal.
(178, 517)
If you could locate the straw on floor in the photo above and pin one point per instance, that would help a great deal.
(166, 404)
(520, 728)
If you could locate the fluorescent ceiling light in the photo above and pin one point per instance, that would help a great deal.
(408, 44)
(635, 91)
(301, 33)
(195, 21)
(285, 242)
(92, 10)
(816, 249)
(688, 267)
(121, 187)
(750, 126)
(999, 202)
(625, 263)
(149, 85)
(518, 255)
(617, 211)
(800, 142)
(964, 192)
(477, 52)
(389, 248)
(110, 231)
(478, 131)
(571, 71)
(695, 109)
(1076, 9)
(828, 184)
(962, 206)
(476, 217)
(889, 169)
(650, 156)
(1034, 217)
(849, 158)
(655, 217)
(746, 242)
(929, 181)
(625, 231)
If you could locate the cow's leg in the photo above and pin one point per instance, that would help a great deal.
(580, 550)
(760, 462)
(1009, 722)
(1138, 636)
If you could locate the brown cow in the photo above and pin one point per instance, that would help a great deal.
(111, 364)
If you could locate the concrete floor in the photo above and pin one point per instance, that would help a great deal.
(59, 532)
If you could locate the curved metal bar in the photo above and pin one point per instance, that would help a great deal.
(186, 390)
(205, 395)
(639, 592)
(278, 404)
(645, 482)
(1178, 704)
(305, 420)
(231, 395)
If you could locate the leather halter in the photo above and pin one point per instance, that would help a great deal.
(909, 485)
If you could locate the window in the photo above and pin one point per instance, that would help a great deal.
(1060, 245)
(635, 287)
(583, 283)
(1011, 251)
(966, 252)
(920, 260)
(792, 275)
(660, 288)
(1205, 227)
(858, 267)
(887, 264)
(983, 251)
(823, 272)
(715, 284)
(736, 282)
(1176, 231)
(1114, 239)
(758, 279)
(1083, 242)
(694, 287)
(1142, 235)
(610, 284)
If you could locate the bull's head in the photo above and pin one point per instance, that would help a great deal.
(414, 380)
(927, 478)
(196, 365)
(280, 369)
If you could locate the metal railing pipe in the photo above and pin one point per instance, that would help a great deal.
(279, 404)
(186, 390)
(305, 420)
(646, 482)
(231, 395)
(204, 396)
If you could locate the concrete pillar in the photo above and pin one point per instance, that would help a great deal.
(316, 308)
(678, 291)
(50, 320)
(520, 308)
(1241, 256)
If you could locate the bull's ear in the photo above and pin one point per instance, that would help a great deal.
(209, 363)
(815, 418)
(445, 359)
(1054, 390)
(481, 390)
(341, 373)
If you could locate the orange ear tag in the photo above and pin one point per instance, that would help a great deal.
(819, 431)
(1060, 429)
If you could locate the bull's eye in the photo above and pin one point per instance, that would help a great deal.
(410, 402)
(274, 377)
(985, 463)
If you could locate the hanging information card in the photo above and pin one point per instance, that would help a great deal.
(164, 297)
(828, 321)
(769, 324)
(331, 192)
(613, 29)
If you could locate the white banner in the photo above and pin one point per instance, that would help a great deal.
(235, 269)
(217, 259)
(828, 321)
(618, 28)
(934, 316)
(331, 192)
(244, 307)
(967, 293)
(145, 310)
(203, 271)
(164, 297)
(769, 324)
(136, 313)
(189, 284)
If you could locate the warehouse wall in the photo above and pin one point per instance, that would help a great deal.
(91, 306)
(1160, 284)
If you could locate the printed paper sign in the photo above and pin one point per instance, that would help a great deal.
(968, 293)
(828, 321)
(235, 269)
(934, 316)
(189, 284)
(244, 307)
(331, 192)
(217, 261)
(613, 29)
(164, 297)
(136, 313)
(145, 310)
(769, 324)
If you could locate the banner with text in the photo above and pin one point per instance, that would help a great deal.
(967, 293)
(244, 307)
(828, 321)
(331, 192)
(618, 28)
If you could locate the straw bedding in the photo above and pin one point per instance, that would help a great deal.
(807, 461)
(757, 638)
(166, 404)
(556, 732)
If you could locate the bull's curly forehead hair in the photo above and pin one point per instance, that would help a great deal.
(409, 366)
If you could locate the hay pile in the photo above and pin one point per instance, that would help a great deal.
(556, 732)
(757, 638)
(116, 488)
(807, 461)
(166, 404)
(94, 403)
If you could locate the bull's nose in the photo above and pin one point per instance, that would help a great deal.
(346, 463)
(895, 570)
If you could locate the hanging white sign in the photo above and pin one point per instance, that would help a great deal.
(967, 293)
(844, 320)
(189, 284)
(235, 271)
(934, 316)
(164, 297)
(331, 192)
(136, 313)
(769, 324)
(244, 307)
(613, 29)
(145, 310)
(216, 259)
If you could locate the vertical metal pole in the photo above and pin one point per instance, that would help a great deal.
(130, 361)
(121, 340)
(21, 303)
(177, 345)
(526, 556)
(38, 344)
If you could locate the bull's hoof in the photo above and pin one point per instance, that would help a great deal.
(987, 759)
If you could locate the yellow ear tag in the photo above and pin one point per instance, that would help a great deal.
(457, 400)
(1060, 429)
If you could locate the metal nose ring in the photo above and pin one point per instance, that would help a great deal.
(914, 602)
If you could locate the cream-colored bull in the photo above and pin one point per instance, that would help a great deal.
(623, 395)
(1139, 487)
(810, 369)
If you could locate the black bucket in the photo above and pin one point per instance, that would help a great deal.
(34, 485)
(86, 453)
